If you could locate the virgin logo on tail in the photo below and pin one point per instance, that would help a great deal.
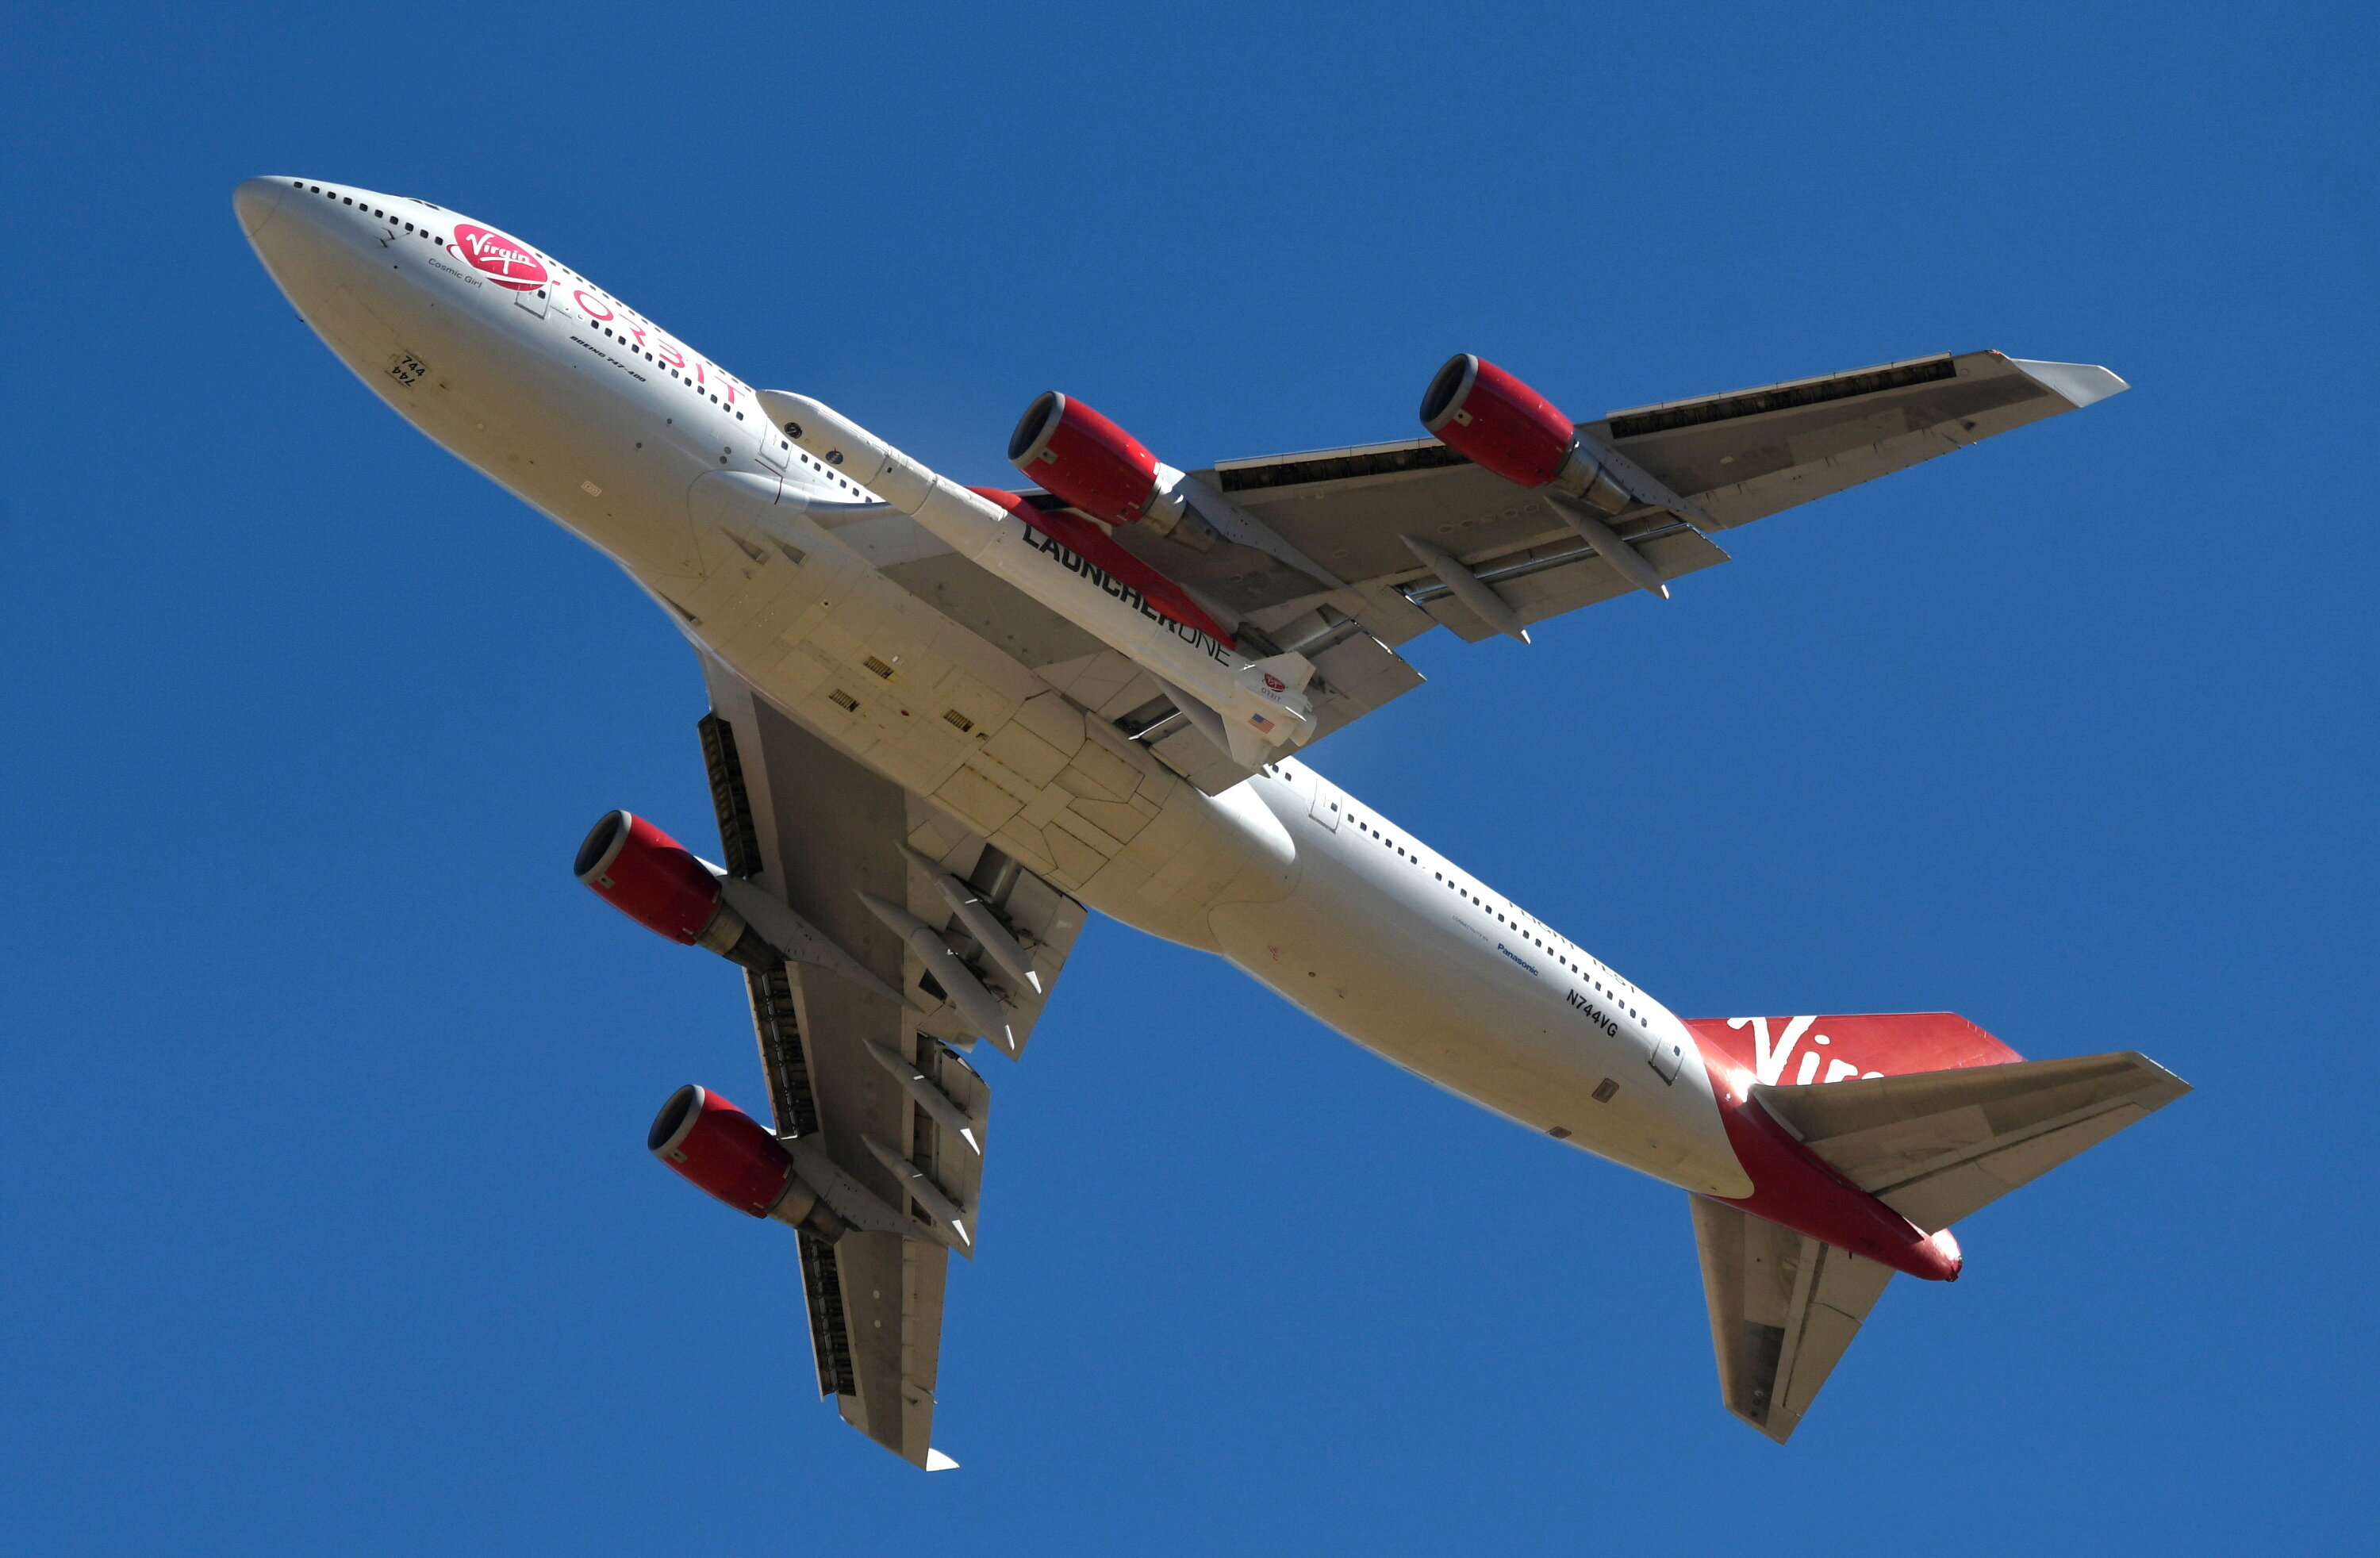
(503, 261)
(1769, 1055)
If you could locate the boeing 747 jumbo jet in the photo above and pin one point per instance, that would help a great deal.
(945, 722)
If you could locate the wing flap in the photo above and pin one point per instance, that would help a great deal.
(1563, 573)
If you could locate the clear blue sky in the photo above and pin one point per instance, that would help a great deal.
(328, 1222)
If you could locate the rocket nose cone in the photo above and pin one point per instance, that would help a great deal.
(1951, 1261)
(257, 202)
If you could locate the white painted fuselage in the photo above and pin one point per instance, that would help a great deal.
(770, 563)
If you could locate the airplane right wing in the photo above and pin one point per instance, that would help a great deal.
(1414, 535)
(1733, 457)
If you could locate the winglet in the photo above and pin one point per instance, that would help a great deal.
(2077, 384)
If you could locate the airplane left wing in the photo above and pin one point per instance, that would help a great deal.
(883, 1087)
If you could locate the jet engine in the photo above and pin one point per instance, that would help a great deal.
(1483, 413)
(1109, 475)
(656, 881)
(1085, 459)
(727, 1152)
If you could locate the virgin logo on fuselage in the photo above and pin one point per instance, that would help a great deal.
(503, 260)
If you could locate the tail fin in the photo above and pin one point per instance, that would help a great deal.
(1230, 738)
(1933, 1145)
(1292, 671)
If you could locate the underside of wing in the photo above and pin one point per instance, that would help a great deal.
(1783, 1310)
(1342, 555)
(1355, 508)
(1735, 457)
(881, 1086)
(1748, 453)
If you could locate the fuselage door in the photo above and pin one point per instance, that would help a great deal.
(534, 299)
(1325, 809)
(776, 449)
(1669, 1056)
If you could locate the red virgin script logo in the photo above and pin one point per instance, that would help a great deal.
(505, 261)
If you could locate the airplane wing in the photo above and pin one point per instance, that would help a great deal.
(806, 824)
(1733, 459)
(1783, 1307)
(1737, 458)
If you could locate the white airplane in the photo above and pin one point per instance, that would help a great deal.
(945, 722)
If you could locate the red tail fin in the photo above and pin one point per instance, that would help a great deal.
(1803, 1050)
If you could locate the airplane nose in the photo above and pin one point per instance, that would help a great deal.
(257, 202)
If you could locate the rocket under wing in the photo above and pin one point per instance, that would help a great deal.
(1259, 705)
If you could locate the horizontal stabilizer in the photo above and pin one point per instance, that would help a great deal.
(1783, 1308)
(1937, 1145)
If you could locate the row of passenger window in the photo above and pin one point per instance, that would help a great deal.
(1559, 954)
(368, 208)
(621, 339)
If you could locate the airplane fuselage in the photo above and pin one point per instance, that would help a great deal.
(771, 563)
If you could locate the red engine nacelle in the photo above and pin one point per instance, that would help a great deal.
(1483, 413)
(656, 881)
(1084, 458)
(728, 1153)
(722, 1148)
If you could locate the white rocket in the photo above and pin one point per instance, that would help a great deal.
(1251, 706)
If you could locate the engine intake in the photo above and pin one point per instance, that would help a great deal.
(1485, 414)
(1084, 458)
(728, 1153)
(656, 881)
